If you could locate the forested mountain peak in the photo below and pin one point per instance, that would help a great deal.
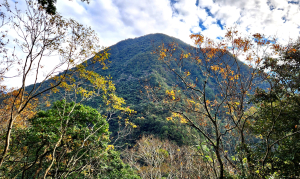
(149, 38)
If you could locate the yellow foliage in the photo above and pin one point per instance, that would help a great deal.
(215, 67)
(207, 102)
(169, 119)
(198, 38)
(222, 70)
(49, 157)
(186, 55)
(110, 147)
(188, 73)
(162, 55)
(179, 116)
(183, 120)
(48, 104)
(171, 94)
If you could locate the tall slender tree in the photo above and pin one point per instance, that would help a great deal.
(217, 104)
(40, 37)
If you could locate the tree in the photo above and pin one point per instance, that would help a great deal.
(41, 36)
(214, 99)
(277, 119)
(49, 5)
(5, 62)
(154, 158)
(66, 141)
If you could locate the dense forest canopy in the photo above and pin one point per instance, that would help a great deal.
(148, 107)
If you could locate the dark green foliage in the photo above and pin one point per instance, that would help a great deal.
(49, 5)
(277, 120)
(115, 168)
(133, 66)
(72, 136)
(274, 121)
(152, 120)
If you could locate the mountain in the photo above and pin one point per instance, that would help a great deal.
(133, 65)
(132, 60)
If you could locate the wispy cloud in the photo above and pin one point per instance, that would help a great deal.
(116, 20)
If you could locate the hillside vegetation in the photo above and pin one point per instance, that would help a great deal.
(149, 107)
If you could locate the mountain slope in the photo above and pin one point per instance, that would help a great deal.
(132, 60)
(133, 65)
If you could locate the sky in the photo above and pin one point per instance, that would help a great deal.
(116, 20)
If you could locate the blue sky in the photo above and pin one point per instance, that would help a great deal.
(116, 20)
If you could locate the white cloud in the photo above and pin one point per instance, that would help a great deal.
(213, 31)
(116, 20)
(269, 17)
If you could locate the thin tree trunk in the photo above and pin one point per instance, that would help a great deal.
(7, 139)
